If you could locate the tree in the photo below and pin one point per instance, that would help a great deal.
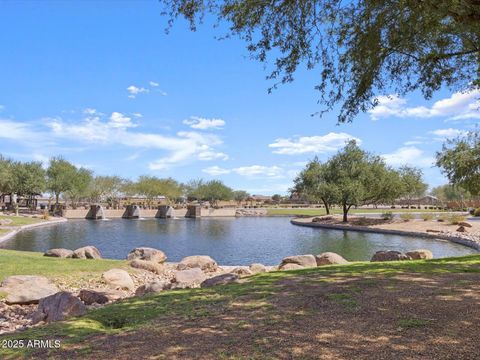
(152, 187)
(107, 188)
(29, 179)
(60, 177)
(312, 185)
(412, 183)
(80, 186)
(362, 48)
(240, 195)
(213, 191)
(360, 178)
(277, 198)
(459, 160)
(6, 176)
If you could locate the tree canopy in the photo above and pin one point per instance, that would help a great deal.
(359, 49)
(460, 161)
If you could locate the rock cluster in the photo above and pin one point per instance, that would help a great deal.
(420, 254)
(86, 252)
(306, 261)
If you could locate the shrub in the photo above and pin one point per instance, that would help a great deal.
(387, 215)
(454, 219)
(407, 216)
(476, 212)
(45, 215)
(427, 216)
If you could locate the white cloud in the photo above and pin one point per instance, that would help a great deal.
(207, 155)
(409, 155)
(90, 111)
(200, 123)
(311, 144)
(412, 142)
(118, 120)
(460, 105)
(216, 170)
(153, 84)
(448, 133)
(134, 91)
(137, 115)
(259, 171)
(14, 130)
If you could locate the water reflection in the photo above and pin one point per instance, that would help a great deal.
(230, 241)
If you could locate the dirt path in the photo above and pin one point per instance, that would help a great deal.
(408, 316)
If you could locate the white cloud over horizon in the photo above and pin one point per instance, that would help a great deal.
(196, 122)
(134, 91)
(460, 105)
(311, 144)
(409, 155)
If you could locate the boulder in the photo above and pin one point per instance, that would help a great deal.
(152, 287)
(220, 280)
(60, 253)
(464, 224)
(290, 266)
(203, 262)
(242, 271)
(302, 260)
(58, 307)
(148, 266)
(119, 279)
(389, 256)
(258, 268)
(461, 229)
(420, 254)
(27, 289)
(330, 258)
(147, 254)
(90, 297)
(189, 278)
(87, 252)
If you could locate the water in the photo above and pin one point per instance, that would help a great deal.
(230, 241)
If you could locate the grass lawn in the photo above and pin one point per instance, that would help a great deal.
(32, 263)
(315, 212)
(3, 231)
(361, 310)
(21, 220)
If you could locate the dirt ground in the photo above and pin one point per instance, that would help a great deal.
(406, 316)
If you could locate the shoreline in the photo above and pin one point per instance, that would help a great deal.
(435, 236)
(15, 230)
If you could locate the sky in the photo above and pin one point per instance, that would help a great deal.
(101, 84)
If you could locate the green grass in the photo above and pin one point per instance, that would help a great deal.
(254, 295)
(30, 263)
(413, 323)
(3, 231)
(318, 212)
(21, 220)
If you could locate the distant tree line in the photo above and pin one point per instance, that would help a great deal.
(63, 180)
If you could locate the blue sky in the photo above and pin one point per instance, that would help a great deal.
(101, 84)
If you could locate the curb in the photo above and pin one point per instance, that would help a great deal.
(16, 230)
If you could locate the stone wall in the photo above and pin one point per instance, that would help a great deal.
(151, 213)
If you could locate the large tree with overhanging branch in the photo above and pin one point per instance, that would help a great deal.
(357, 49)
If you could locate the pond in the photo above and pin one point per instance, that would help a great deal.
(230, 241)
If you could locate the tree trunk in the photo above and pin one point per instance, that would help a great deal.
(327, 207)
(345, 213)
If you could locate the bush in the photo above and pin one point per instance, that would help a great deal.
(407, 216)
(476, 212)
(427, 216)
(454, 219)
(387, 215)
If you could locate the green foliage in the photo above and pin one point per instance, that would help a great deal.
(152, 187)
(407, 216)
(413, 323)
(29, 178)
(107, 188)
(61, 177)
(80, 186)
(277, 198)
(454, 219)
(427, 216)
(460, 161)
(361, 49)
(388, 215)
(240, 195)
(412, 183)
(476, 212)
(449, 192)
